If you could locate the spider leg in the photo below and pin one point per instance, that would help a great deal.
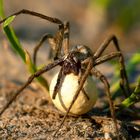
(82, 81)
(104, 58)
(83, 90)
(56, 42)
(124, 79)
(104, 80)
(37, 47)
(60, 40)
(29, 81)
(107, 57)
(32, 13)
(105, 44)
(59, 82)
(66, 38)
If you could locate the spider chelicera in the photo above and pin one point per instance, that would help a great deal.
(76, 60)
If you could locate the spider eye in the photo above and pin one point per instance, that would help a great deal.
(82, 49)
(75, 59)
(81, 53)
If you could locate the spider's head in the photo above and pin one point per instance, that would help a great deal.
(81, 52)
(73, 61)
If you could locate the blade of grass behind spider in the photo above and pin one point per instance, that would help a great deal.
(131, 67)
(11, 36)
(32, 68)
(9, 32)
(15, 44)
(133, 98)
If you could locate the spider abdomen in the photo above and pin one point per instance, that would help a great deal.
(67, 91)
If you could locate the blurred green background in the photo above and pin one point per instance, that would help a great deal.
(91, 20)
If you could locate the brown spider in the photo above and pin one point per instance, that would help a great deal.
(79, 59)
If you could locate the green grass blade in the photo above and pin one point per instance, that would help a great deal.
(17, 47)
(131, 66)
(8, 21)
(133, 98)
(15, 44)
(32, 68)
(133, 62)
(9, 32)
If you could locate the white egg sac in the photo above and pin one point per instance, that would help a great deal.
(66, 93)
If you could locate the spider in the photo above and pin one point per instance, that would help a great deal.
(78, 59)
